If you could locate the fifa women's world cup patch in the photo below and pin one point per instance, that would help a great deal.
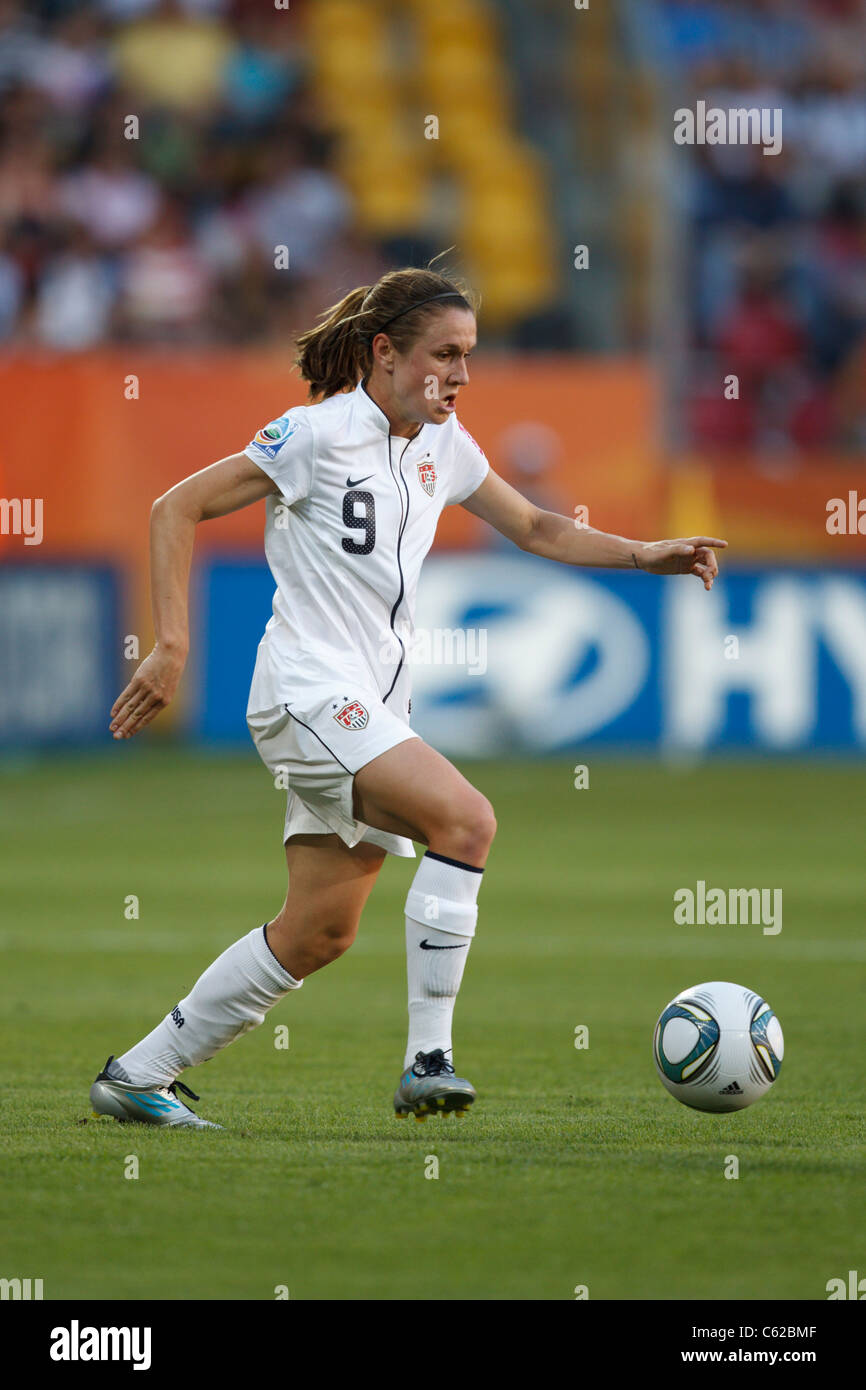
(272, 437)
(427, 476)
(352, 716)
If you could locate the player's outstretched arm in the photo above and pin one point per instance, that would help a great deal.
(560, 538)
(226, 486)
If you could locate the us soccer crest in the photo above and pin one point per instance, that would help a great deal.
(352, 716)
(427, 476)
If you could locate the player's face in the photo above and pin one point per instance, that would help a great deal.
(428, 378)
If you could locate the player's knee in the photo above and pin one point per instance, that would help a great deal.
(471, 829)
(334, 938)
(303, 943)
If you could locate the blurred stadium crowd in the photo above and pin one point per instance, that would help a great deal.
(261, 127)
(168, 237)
(777, 267)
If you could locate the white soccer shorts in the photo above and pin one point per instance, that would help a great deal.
(317, 743)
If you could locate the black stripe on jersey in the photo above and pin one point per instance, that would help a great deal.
(321, 740)
(404, 517)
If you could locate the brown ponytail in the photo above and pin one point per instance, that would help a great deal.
(336, 354)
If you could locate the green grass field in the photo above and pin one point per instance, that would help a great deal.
(574, 1167)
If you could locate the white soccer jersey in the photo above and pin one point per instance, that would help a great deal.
(345, 541)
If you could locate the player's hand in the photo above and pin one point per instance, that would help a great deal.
(152, 688)
(689, 555)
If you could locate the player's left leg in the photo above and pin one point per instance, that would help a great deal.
(413, 790)
(328, 886)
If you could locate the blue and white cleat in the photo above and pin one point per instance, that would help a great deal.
(430, 1087)
(112, 1093)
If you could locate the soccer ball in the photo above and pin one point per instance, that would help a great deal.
(718, 1047)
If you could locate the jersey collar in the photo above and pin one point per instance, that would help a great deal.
(375, 414)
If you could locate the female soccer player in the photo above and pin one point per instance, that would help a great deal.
(354, 485)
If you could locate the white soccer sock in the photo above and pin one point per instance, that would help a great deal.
(441, 915)
(231, 997)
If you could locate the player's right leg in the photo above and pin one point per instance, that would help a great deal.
(329, 884)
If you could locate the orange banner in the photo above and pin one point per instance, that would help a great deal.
(98, 437)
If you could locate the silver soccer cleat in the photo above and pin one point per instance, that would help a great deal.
(429, 1087)
(110, 1094)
